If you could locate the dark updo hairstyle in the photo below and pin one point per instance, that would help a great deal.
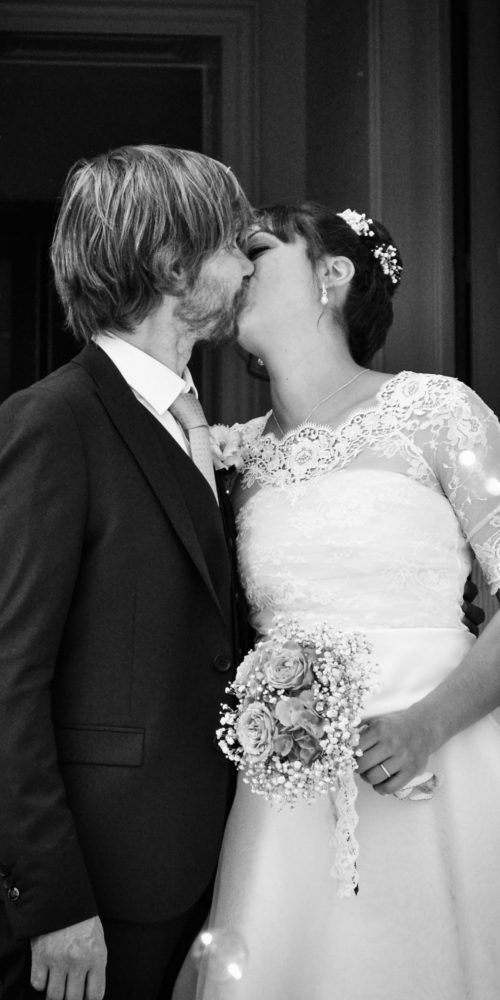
(367, 313)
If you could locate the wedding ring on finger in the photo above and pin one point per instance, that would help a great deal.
(386, 772)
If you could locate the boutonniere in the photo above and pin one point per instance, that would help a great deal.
(228, 452)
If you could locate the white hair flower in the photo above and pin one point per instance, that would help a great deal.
(384, 253)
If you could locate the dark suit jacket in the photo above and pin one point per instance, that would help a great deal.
(115, 649)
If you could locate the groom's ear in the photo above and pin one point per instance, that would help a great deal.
(336, 272)
(178, 279)
(166, 263)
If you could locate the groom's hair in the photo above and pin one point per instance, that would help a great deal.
(135, 224)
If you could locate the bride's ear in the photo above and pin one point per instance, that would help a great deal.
(335, 272)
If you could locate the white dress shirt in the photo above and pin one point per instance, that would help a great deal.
(153, 384)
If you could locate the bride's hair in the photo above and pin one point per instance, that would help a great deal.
(367, 312)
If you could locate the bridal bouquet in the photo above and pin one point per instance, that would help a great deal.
(299, 695)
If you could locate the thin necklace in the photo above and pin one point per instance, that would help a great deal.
(317, 405)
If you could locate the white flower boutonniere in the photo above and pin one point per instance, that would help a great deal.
(228, 452)
(228, 449)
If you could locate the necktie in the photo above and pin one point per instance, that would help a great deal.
(188, 410)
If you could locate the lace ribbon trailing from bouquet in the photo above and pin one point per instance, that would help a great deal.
(343, 840)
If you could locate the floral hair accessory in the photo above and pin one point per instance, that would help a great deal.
(385, 253)
(357, 221)
(388, 257)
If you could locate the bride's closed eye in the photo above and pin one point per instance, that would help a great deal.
(256, 250)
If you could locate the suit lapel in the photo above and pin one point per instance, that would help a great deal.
(133, 423)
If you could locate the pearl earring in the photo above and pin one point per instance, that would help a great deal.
(260, 362)
(324, 295)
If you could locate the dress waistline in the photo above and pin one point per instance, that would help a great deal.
(411, 663)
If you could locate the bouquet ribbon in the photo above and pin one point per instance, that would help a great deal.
(421, 787)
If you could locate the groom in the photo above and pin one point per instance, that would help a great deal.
(117, 620)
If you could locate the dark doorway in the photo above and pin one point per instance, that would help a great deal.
(65, 97)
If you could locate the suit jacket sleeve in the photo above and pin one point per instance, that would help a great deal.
(43, 504)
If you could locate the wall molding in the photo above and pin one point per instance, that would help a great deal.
(410, 171)
(235, 23)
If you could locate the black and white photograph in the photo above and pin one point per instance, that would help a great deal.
(249, 500)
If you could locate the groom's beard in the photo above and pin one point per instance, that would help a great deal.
(210, 311)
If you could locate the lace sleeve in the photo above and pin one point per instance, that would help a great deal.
(466, 445)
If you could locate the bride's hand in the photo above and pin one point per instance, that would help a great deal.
(394, 749)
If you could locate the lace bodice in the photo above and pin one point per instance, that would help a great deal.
(371, 524)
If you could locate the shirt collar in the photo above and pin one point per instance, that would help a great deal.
(148, 378)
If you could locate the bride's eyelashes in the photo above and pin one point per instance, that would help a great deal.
(256, 250)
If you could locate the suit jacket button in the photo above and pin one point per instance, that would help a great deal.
(13, 894)
(222, 663)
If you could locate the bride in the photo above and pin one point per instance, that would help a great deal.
(361, 500)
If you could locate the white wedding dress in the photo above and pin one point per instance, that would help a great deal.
(371, 527)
